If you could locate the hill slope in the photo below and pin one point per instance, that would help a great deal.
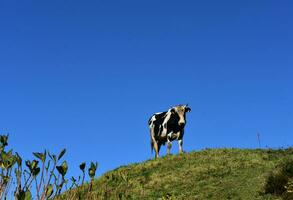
(207, 174)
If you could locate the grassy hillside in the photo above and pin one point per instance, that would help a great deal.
(207, 174)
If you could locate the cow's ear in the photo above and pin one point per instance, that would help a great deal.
(187, 109)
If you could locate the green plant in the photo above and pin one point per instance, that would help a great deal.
(280, 181)
(92, 173)
(7, 161)
(46, 173)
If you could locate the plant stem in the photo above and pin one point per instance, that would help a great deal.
(38, 192)
(42, 177)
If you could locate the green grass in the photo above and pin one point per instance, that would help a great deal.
(218, 174)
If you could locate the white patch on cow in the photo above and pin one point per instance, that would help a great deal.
(167, 117)
(177, 135)
(152, 121)
(173, 135)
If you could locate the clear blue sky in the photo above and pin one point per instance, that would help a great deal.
(87, 75)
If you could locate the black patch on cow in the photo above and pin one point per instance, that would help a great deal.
(160, 117)
(172, 124)
(150, 121)
(181, 135)
(161, 142)
(173, 111)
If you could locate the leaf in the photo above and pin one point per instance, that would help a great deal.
(3, 159)
(49, 191)
(2, 164)
(36, 171)
(28, 195)
(92, 170)
(49, 154)
(73, 179)
(62, 169)
(33, 167)
(65, 167)
(28, 164)
(38, 155)
(34, 164)
(41, 156)
(61, 154)
(82, 166)
(92, 173)
(23, 195)
(17, 172)
(7, 160)
(5, 179)
(18, 159)
(4, 140)
(53, 157)
(11, 161)
(48, 165)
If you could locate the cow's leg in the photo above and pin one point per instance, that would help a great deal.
(156, 146)
(159, 147)
(180, 143)
(169, 145)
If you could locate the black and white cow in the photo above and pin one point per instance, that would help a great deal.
(168, 126)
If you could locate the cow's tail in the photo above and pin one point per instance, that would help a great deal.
(151, 134)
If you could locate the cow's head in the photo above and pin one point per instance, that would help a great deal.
(181, 110)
